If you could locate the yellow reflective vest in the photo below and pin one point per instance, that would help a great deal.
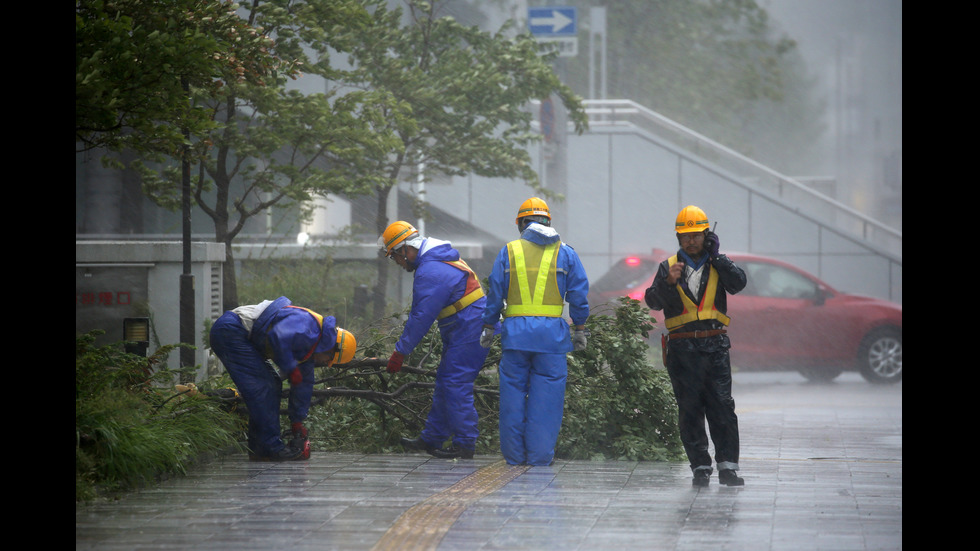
(533, 288)
(693, 312)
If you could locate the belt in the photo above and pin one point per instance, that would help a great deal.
(696, 334)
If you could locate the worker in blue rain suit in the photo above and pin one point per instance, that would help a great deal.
(691, 288)
(535, 275)
(444, 290)
(295, 339)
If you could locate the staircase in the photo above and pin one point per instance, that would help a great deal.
(605, 114)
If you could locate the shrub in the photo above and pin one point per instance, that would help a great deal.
(618, 406)
(132, 426)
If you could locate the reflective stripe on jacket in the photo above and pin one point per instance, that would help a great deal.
(319, 322)
(705, 310)
(473, 290)
(544, 298)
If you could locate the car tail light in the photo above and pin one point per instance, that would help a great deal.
(636, 295)
(632, 261)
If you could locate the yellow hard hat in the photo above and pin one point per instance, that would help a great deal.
(691, 219)
(346, 346)
(535, 206)
(394, 235)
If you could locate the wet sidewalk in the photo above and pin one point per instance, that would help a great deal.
(822, 467)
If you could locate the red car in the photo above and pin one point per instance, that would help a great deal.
(786, 318)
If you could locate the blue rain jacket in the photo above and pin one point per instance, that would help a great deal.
(437, 285)
(539, 333)
(290, 337)
(287, 336)
(533, 367)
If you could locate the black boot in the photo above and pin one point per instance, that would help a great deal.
(729, 478)
(702, 477)
(301, 444)
(452, 452)
(288, 453)
(418, 444)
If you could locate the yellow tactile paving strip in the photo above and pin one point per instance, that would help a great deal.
(424, 525)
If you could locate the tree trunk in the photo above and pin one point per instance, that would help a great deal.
(229, 280)
(381, 288)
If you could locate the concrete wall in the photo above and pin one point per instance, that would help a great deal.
(119, 279)
(625, 187)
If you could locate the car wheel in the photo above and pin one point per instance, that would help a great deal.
(880, 356)
(820, 374)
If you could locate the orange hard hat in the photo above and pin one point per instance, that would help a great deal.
(394, 235)
(346, 346)
(535, 206)
(691, 219)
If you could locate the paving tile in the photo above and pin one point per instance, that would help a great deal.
(821, 474)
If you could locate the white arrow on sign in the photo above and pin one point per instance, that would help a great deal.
(557, 21)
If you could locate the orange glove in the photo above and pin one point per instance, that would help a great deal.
(299, 431)
(395, 362)
(300, 439)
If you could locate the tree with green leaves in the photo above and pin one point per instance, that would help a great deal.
(459, 99)
(136, 59)
(273, 146)
(719, 67)
(430, 92)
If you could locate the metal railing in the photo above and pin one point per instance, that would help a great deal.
(629, 114)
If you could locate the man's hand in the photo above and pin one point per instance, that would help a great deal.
(395, 362)
(675, 272)
(295, 377)
(711, 243)
(486, 338)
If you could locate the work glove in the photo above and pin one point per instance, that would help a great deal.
(711, 243)
(486, 338)
(395, 362)
(300, 440)
(579, 340)
(299, 430)
(295, 377)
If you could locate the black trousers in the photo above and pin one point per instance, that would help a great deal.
(701, 375)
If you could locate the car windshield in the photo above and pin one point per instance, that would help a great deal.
(766, 280)
(625, 274)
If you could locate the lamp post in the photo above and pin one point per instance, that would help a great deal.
(186, 277)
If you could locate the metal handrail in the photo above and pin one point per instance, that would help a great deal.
(627, 113)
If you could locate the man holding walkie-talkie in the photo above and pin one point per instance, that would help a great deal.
(691, 288)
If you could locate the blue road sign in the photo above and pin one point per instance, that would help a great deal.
(552, 21)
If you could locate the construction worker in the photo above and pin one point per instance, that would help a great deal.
(295, 339)
(691, 288)
(535, 275)
(444, 290)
